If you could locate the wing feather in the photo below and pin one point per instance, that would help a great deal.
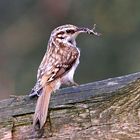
(58, 63)
(55, 64)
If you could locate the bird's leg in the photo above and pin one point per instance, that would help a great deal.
(72, 83)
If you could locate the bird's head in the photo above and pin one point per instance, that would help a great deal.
(68, 33)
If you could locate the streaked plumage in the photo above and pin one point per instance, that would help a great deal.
(57, 67)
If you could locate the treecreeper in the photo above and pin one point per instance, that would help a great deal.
(57, 67)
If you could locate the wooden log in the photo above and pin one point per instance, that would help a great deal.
(104, 110)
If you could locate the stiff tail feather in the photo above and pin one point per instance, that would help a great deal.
(42, 105)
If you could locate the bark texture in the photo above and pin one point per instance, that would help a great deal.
(104, 110)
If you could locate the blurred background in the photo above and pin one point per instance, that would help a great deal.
(25, 27)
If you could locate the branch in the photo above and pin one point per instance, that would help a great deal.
(108, 109)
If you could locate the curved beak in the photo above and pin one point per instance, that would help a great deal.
(88, 31)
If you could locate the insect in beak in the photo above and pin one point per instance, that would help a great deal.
(88, 31)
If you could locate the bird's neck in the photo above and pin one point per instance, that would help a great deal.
(66, 42)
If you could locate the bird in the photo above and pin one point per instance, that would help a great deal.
(57, 67)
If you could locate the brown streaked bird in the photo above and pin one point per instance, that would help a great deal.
(57, 67)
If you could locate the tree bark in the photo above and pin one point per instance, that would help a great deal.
(104, 110)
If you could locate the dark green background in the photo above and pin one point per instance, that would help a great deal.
(25, 26)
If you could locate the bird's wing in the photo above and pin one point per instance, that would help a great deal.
(56, 63)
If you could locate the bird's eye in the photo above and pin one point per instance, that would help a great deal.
(70, 31)
(59, 35)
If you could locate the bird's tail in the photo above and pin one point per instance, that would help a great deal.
(42, 105)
